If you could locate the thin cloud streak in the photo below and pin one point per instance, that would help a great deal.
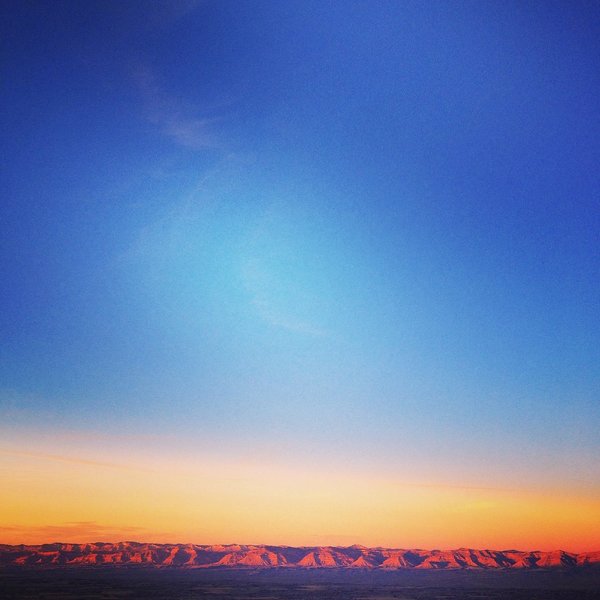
(174, 117)
(257, 283)
(262, 287)
(69, 460)
(82, 531)
(449, 486)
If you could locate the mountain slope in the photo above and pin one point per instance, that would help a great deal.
(256, 556)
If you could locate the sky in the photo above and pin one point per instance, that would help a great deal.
(301, 273)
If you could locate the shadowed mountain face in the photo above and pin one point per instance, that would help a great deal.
(241, 556)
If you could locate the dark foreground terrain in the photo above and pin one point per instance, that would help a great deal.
(165, 584)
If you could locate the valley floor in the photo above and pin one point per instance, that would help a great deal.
(152, 584)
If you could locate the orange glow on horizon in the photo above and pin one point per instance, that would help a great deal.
(48, 498)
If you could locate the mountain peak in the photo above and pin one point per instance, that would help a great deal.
(194, 556)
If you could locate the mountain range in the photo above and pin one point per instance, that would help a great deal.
(193, 556)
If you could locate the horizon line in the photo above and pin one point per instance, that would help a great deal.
(299, 546)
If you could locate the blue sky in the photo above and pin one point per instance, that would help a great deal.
(336, 229)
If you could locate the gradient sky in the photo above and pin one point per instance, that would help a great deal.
(301, 272)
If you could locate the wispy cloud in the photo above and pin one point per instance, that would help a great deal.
(450, 486)
(276, 299)
(75, 532)
(172, 10)
(259, 285)
(176, 118)
(68, 459)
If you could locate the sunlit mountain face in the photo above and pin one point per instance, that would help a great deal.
(242, 556)
(302, 273)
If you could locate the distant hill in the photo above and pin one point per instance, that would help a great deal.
(193, 556)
